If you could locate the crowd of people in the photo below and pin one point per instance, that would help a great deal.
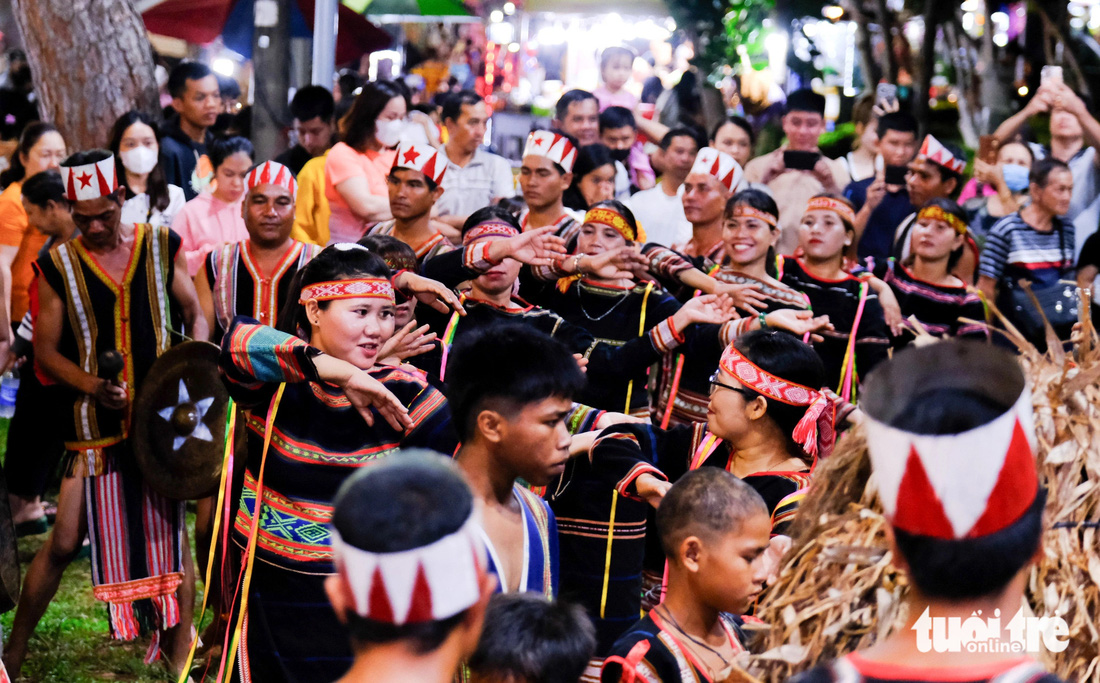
(601, 383)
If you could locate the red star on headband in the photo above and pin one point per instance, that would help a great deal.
(537, 142)
(411, 155)
(85, 180)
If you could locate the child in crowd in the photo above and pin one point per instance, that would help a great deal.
(714, 530)
(528, 639)
(616, 67)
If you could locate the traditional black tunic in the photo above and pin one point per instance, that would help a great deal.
(654, 652)
(937, 307)
(839, 299)
(136, 534)
(318, 439)
(239, 288)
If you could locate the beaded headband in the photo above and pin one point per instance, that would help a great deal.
(815, 431)
(936, 213)
(489, 229)
(746, 211)
(372, 288)
(605, 216)
(419, 585)
(829, 204)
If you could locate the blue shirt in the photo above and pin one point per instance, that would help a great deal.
(878, 237)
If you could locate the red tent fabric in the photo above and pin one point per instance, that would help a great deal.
(201, 21)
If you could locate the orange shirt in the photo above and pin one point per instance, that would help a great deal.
(15, 231)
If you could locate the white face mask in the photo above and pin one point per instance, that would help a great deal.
(139, 160)
(389, 132)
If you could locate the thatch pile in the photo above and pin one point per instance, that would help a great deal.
(838, 590)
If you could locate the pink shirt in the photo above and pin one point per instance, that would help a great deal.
(615, 99)
(205, 223)
(344, 162)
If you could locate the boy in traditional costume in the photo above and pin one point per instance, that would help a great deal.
(411, 582)
(950, 431)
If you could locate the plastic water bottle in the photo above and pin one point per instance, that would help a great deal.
(9, 387)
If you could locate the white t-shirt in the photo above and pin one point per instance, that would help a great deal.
(661, 216)
(136, 208)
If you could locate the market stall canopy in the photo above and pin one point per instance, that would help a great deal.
(656, 8)
(201, 21)
(413, 10)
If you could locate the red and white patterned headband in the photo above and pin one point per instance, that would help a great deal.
(372, 288)
(829, 204)
(489, 229)
(815, 432)
(89, 181)
(273, 173)
(425, 584)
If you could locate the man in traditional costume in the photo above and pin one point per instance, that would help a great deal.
(253, 277)
(412, 580)
(124, 289)
(415, 186)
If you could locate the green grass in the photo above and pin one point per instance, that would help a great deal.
(72, 643)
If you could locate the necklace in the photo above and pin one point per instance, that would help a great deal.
(700, 643)
(624, 297)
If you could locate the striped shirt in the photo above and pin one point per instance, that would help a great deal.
(1014, 250)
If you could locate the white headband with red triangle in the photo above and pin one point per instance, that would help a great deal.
(956, 486)
(553, 146)
(89, 181)
(423, 158)
(414, 586)
(933, 150)
(272, 173)
(720, 165)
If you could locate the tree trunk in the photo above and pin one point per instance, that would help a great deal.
(271, 59)
(886, 21)
(91, 62)
(927, 63)
(872, 73)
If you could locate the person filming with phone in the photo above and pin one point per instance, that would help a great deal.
(798, 170)
(1074, 140)
(882, 201)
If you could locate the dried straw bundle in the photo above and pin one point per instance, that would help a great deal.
(838, 590)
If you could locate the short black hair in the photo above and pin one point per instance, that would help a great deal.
(452, 104)
(223, 148)
(493, 212)
(805, 99)
(531, 639)
(1041, 170)
(186, 71)
(707, 503)
(88, 156)
(408, 500)
(784, 356)
(616, 117)
(44, 187)
(739, 121)
(228, 87)
(508, 367)
(901, 121)
(570, 97)
(312, 102)
(697, 136)
(398, 255)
